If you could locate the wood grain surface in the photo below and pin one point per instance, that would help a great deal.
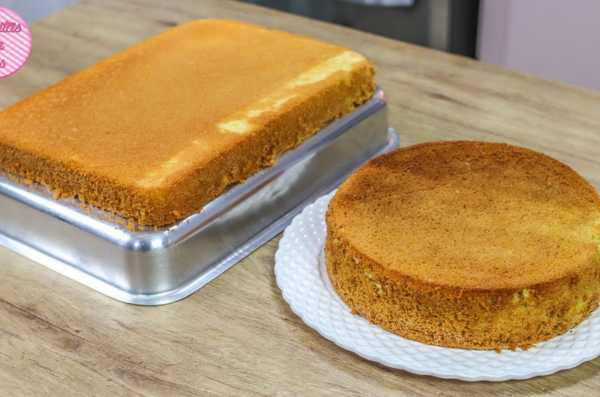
(237, 336)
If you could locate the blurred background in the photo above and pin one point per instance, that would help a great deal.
(553, 39)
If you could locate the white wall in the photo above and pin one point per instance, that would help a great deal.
(553, 39)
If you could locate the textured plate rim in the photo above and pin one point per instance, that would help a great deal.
(327, 334)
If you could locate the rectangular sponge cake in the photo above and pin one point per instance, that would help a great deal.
(157, 131)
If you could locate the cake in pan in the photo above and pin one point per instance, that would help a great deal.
(468, 245)
(157, 131)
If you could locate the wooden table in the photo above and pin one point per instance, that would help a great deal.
(237, 336)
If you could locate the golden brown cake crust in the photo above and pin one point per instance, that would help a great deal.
(467, 244)
(157, 131)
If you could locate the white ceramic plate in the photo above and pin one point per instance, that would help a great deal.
(305, 286)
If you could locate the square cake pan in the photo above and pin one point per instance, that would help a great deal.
(154, 267)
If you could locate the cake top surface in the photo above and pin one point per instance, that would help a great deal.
(173, 101)
(470, 214)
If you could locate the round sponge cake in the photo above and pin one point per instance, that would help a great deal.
(467, 244)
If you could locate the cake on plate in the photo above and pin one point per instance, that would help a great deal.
(466, 244)
(158, 130)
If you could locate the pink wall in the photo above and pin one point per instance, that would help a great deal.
(553, 39)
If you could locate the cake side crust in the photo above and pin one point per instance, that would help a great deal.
(455, 317)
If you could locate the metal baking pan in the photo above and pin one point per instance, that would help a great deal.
(154, 267)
